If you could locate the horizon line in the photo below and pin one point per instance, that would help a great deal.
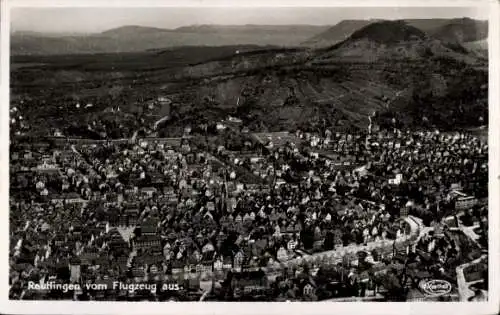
(81, 33)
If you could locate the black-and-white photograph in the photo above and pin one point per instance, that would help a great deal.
(264, 154)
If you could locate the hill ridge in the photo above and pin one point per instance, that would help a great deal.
(345, 28)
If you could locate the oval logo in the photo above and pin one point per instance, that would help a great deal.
(435, 287)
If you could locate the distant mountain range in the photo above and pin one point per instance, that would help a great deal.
(140, 38)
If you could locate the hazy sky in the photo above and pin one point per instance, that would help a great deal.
(88, 20)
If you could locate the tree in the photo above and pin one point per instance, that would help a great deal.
(329, 241)
(392, 284)
(307, 237)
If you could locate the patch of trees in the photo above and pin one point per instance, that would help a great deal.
(463, 104)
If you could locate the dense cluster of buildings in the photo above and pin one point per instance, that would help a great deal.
(166, 211)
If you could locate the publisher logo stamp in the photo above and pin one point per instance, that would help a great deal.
(435, 287)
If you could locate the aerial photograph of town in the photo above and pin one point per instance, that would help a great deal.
(226, 154)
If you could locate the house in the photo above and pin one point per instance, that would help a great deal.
(59, 239)
(239, 260)
(234, 120)
(131, 214)
(102, 261)
(157, 179)
(146, 241)
(218, 264)
(28, 155)
(282, 254)
(337, 237)
(46, 167)
(77, 228)
(130, 191)
(400, 251)
(208, 250)
(318, 245)
(249, 281)
(192, 283)
(138, 272)
(272, 263)
(88, 257)
(292, 244)
(151, 257)
(57, 199)
(220, 126)
(220, 238)
(177, 267)
(148, 191)
(438, 230)
(227, 263)
(465, 202)
(149, 227)
(206, 267)
(403, 212)
(112, 198)
(192, 264)
(199, 268)
(226, 221)
(239, 187)
(309, 289)
(210, 206)
(116, 241)
(169, 193)
(123, 220)
(154, 269)
(209, 221)
(73, 198)
(230, 204)
(74, 265)
(121, 261)
(185, 148)
(255, 159)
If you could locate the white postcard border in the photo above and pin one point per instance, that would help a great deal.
(62, 307)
